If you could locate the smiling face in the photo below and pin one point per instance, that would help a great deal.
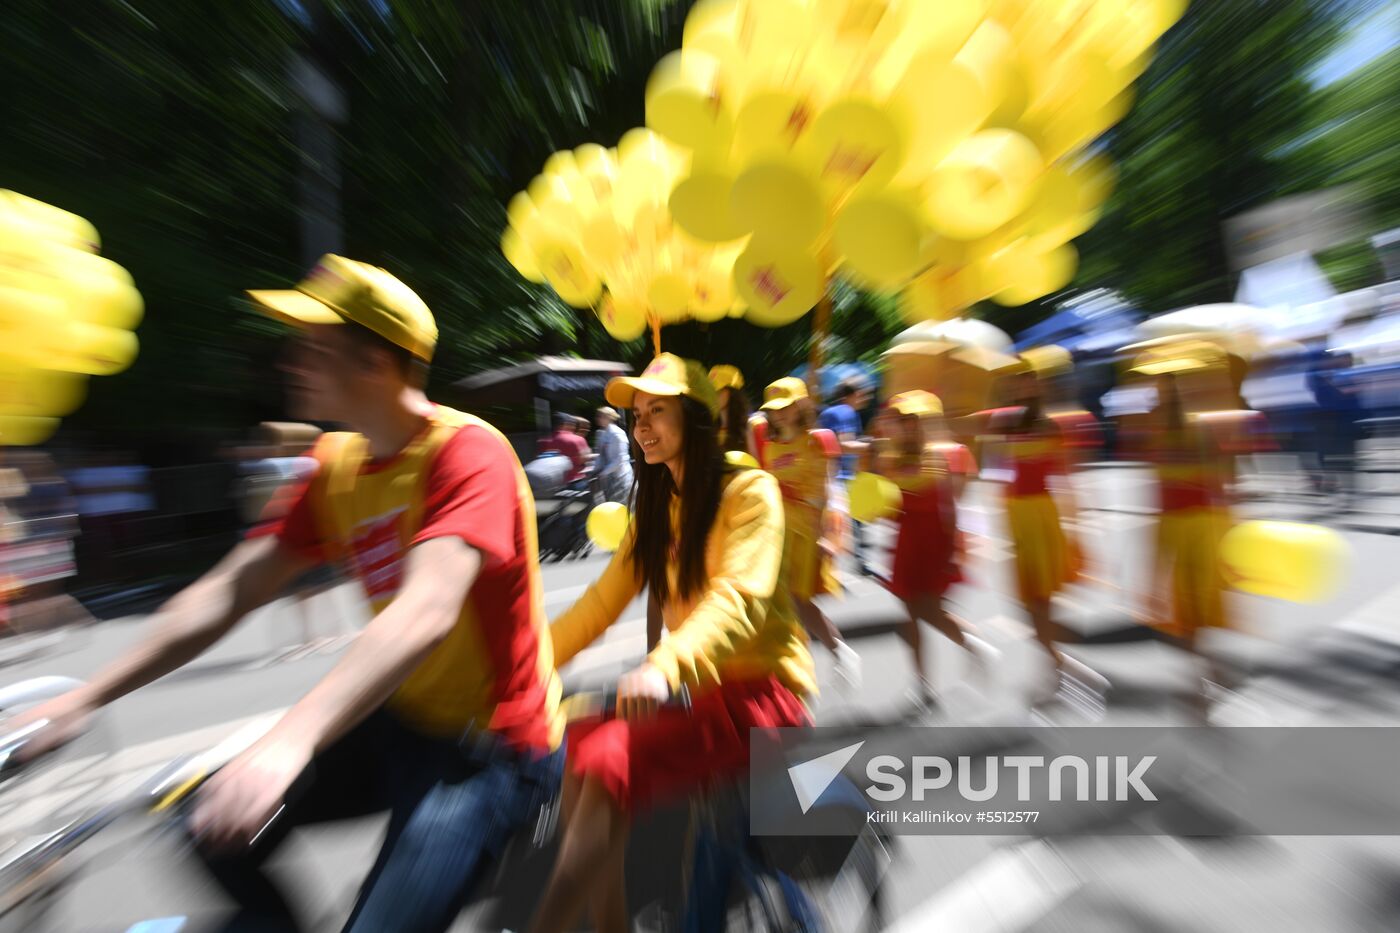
(658, 427)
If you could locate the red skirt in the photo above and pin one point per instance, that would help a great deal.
(925, 554)
(679, 751)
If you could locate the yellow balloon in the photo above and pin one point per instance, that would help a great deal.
(1028, 274)
(29, 319)
(623, 318)
(1285, 560)
(931, 30)
(569, 274)
(520, 210)
(93, 349)
(669, 296)
(988, 180)
(29, 392)
(18, 431)
(990, 55)
(854, 141)
(607, 525)
(940, 103)
(941, 293)
(713, 294)
(872, 497)
(779, 284)
(881, 235)
(712, 27)
(1055, 214)
(687, 102)
(771, 122)
(561, 164)
(603, 242)
(701, 206)
(53, 222)
(779, 202)
(710, 16)
(519, 255)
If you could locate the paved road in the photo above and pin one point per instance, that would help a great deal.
(947, 883)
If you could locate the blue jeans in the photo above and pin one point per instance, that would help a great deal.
(451, 813)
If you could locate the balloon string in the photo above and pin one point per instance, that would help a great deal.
(820, 326)
(656, 335)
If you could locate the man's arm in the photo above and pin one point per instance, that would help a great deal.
(252, 574)
(244, 797)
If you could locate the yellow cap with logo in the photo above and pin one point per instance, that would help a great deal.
(340, 290)
(667, 375)
(917, 402)
(725, 376)
(783, 392)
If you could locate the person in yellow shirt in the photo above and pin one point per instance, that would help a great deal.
(735, 430)
(444, 711)
(1189, 451)
(707, 541)
(804, 462)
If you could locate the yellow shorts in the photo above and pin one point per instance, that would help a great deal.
(1188, 540)
(1045, 558)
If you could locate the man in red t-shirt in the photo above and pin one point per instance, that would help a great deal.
(566, 440)
(444, 711)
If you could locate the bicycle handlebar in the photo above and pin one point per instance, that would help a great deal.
(594, 703)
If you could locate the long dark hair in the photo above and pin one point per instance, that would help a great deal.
(701, 484)
(736, 421)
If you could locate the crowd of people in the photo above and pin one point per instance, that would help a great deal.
(446, 709)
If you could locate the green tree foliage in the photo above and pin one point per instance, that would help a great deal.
(173, 126)
(1213, 132)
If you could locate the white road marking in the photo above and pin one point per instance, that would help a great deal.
(1004, 893)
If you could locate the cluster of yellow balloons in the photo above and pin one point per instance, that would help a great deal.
(935, 148)
(66, 313)
(595, 226)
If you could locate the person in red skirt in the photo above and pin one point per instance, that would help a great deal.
(929, 474)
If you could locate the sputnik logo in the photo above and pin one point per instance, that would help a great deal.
(810, 779)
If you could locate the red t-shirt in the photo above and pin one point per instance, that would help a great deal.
(458, 478)
(572, 446)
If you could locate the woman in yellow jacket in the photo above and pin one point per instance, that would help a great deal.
(707, 541)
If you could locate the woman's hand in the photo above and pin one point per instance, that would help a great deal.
(641, 692)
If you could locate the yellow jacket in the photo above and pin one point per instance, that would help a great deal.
(741, 625)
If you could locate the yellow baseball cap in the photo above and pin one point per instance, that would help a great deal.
(338, 290)
(783, 392)
(1048, 361)
(725, 376)
(916, 402)
(1181, 357)
(668, 374)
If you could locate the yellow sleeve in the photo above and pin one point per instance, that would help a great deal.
(737, 596)
(597, 608)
